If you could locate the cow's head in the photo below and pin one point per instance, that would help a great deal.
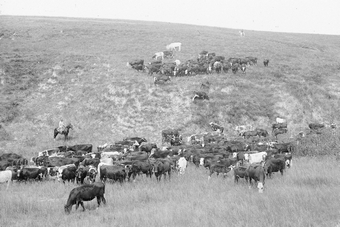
(260, 187)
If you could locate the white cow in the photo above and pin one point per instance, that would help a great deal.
(158, 55)
(256, 157)
(108, 154)
(174, 46)
(182, 164)
(104, 161)
(6, 176)
(280, 120)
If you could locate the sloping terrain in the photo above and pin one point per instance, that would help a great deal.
(75, 69)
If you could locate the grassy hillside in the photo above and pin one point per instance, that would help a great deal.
(75, 69)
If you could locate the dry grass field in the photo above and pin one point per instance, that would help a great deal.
(75, 69)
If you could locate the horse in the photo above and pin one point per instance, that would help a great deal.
(173, 46)
(65, 131)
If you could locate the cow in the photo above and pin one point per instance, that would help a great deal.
(252, 60)
(279, 126)
(255, 157)
(248, 134)
(139, 167)
(278, 131)
(274, 165)
(147, 147)
(181, 165)
(161, 79)
(243, 68)
(90, 161)
(153, 69)
(316, 126)
(218, 167)
(240, 172)
(113, 172)
(205, 85)
(137, 64)
(216, 127)
(68, 174)
(162, 167)
(168, 134)
(80, 147)
(81, 173)
(266, 62)
(36, 173)
(256, 172)
(174, 46)
(243, 128)
(283, 147)
(85, 192)
(203, 54)
(261, 132)
(158, 55)
(201, 95)
(6, 176)
(280, 120)
(287, 157)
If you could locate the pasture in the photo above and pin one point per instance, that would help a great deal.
(307, 195)
(75, 69)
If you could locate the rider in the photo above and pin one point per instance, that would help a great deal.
(61, 125)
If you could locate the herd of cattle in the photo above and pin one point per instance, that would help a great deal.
(206, 63)
(127, 159)
(134, 156)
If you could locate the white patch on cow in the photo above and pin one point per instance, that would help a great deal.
(235, 155)
(6, 176)
(182, 164)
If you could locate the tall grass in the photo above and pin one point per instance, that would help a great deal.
(310, 187)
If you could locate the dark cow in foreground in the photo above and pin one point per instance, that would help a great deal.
(218, 168)
(256, 172)
(201, 95)
(266, 62)
(85, 192)
(216, 127)
(69, 174)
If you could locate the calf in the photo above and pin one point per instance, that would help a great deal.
(240, 172)
(85, 192)
(266, 62)
(256, 172)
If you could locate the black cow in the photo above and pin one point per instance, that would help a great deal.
(316, 126)
(168, 54)
(81, 173)
(69, 174)
(139, 167)
(266, 62)
(36, 173)
(147, 147)
(287, 157)
(283, 147)
(235, 67)
(139, 140)
(80, 147)
(85, 192)
(216, 127)
(162, 167)
(274, 165)
(278, 131)
(256, 172)
(201, 95)
(115, 173)
(240, 172)
(153, 68)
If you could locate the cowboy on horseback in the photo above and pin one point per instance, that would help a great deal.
(61, 127)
